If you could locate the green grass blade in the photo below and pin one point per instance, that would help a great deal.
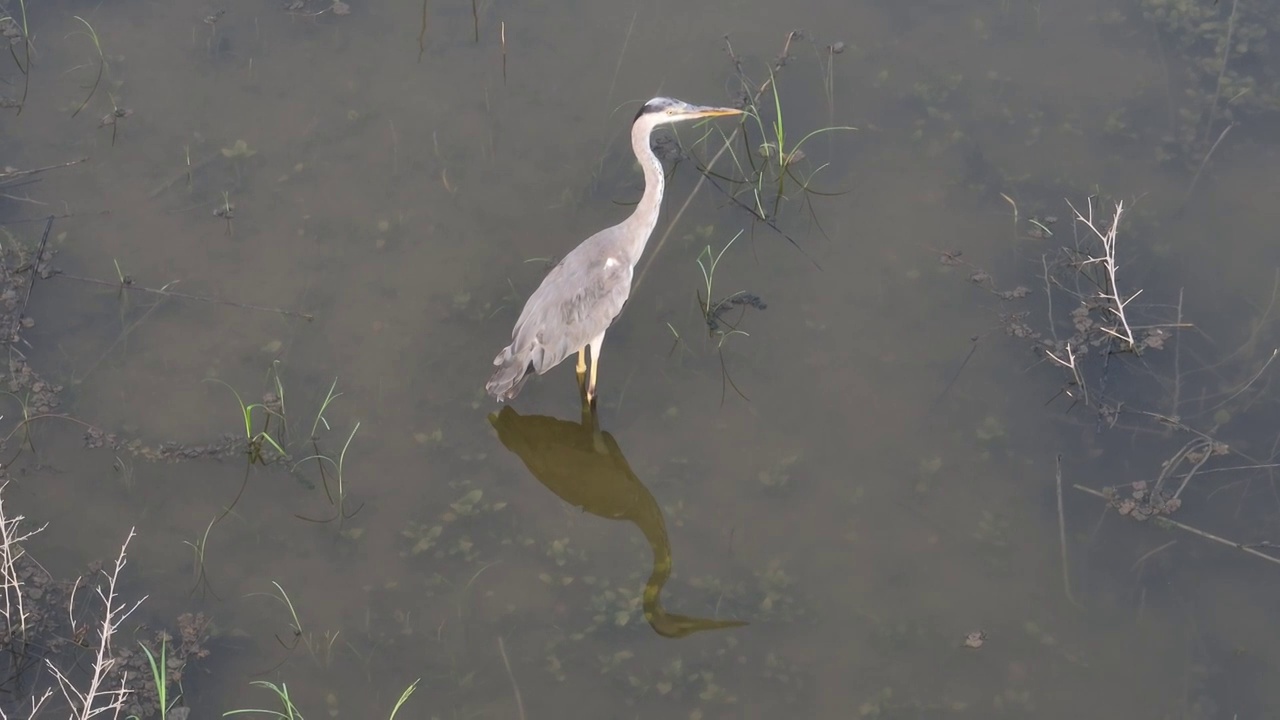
(102, 64)
(404, 697)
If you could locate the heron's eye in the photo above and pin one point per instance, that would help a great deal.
(671, 111)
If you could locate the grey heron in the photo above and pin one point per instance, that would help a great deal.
(584, 293)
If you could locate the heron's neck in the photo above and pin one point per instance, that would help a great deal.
(639, 226)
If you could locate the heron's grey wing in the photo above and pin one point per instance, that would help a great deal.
(578, 300)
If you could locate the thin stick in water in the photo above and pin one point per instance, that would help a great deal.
(1177, 360)
(1015, 213)
(8, 174)
(503, 33)
(1222, 71)
(973, 347)
(1194, 531)
(35, 272)
(622, 52)
(1062, 532)
(395, 149)
(422, 34)
(171, 293)
(502, 650)
(1138, 563)
(1244, 387)
(1048, 294)
(1203, 163)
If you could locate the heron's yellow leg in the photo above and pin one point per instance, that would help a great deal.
(582, 372)
(591, 383)
(595, 346)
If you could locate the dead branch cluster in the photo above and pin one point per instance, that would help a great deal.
(64, 644)
(1093, 330)
(1081, 281)
(1088, 273)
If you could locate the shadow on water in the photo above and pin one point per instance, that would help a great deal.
(585, 467)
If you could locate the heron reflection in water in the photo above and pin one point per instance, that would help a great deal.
(585, 467)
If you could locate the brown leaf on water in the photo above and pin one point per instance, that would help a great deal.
(341, 8)
(1155, 338)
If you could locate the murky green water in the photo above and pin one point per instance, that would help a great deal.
(846, 477)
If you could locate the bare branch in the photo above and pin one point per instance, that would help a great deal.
(1111, 294)
(11, 537)
(97, 699)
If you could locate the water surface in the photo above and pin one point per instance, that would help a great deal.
(865, 494)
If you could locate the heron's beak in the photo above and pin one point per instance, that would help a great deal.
(704, 112)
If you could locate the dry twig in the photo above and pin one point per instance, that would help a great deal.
(96, 699)
(1062, 532)
(12, 535)
(502, 650)
(1195, 531)
(1110, 268)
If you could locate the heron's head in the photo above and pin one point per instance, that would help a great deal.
(662, 110)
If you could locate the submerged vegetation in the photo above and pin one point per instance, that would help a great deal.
(1220, 57)
(67, 642)
(1097, 333)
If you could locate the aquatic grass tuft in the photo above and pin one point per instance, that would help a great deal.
(712, 309)
(256, 441)
(25, 424)
(159, 676)
(320, 418)
(297, 624)
(25, 69)
(780, 158)
(269, 441)
(708, 268)
(337, 466)
(319, 647)
(102, 65)
(198, 549)
(290, 711)
(339, 498)
(273, 375)
(404, 698)
(762, 166)
(321, 650)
